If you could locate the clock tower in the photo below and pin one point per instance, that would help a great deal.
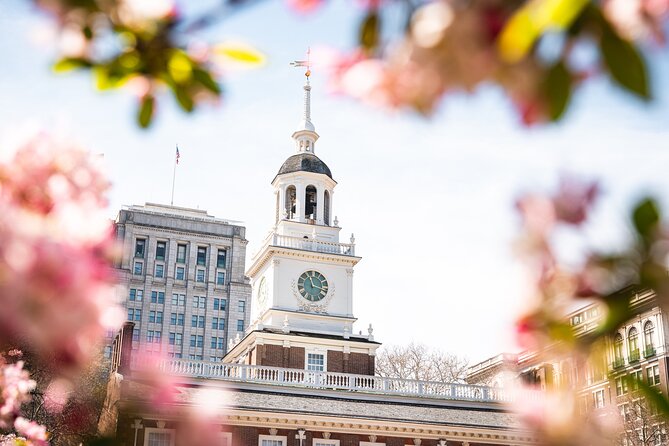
(302, 275)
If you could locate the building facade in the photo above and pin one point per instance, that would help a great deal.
(182, 280)
(637, 350)
(300, 376)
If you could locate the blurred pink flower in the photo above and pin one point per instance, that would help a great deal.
(574, 199)
(34, 432)
(56, 247)
(305, 6)
(15, 388)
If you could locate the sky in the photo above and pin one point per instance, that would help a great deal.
(430, 201)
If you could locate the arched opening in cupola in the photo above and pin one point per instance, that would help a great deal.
(310, 201)
(291, 196)
(326, 208)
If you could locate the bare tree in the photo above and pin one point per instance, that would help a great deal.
(76, 423)
(417, 361)
(642, 425)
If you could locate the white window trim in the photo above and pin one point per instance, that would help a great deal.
(283, 439)
(227, 436)
(324, 353)
(323, 441)
(150, 430)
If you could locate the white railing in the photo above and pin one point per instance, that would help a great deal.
(332, 381)
(309, 244)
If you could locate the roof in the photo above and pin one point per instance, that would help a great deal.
(304, 162)
(378, 407)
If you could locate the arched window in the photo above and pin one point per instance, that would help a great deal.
(633, 344)
(326, 208)
(310, 203)
(290, 201)
(618, 351)
(649, 335)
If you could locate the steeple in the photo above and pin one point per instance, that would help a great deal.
(305, 136)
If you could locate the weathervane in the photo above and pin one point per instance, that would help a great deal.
(304, 63)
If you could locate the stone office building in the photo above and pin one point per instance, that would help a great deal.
(183, 282)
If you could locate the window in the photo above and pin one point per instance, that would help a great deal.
(633, 344)
(220, 304)
(140, 244)
(220, 259)
(179, 300)
(217, 343)
(220, 278)
(653, 375)
(271, 440)
(107, 352)
(153, 336)
(181, 253)
(621, 386)
(635, 377)
(598, 399)
(139, 266)
(218, 323)
(160, 250)
(324, 442)
(160, 270)
(134, 314)
(199, 275)
(152, 316)
(175, 355)
(177, 319)
(199, 301)
(240, 325)
(157, 297)
(315, 362)
(618, 351)
(575, 320)
(176, 339)
(241, 307)
(158, 437)
(201, 255)
(196, 340)
(195, 357)
(136, 295)
(197, 321)
(225, 437)
(649, 335)
(180, 273)
(135, 335)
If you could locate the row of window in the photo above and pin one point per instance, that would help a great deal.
(179, 300)
(182, 252)
(166, 437)
(652, 378)
(156, 317)
(633, 345)
(192, 357)
(179, 272)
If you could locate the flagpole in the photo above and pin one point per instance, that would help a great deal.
(174, 177)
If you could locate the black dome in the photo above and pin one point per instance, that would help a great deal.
(305, 162)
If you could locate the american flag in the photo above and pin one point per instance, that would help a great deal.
(178, 155)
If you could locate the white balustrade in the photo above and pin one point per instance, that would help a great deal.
(331, 380)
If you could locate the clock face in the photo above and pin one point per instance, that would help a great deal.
(312, 285)
(262, 291)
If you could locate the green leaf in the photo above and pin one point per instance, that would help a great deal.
(145, 114)
(369, 31)
(624, 62)
(184, 98)
(557, 87)
(206, 80)
(653, 395)
(70, 63)
(646, 217)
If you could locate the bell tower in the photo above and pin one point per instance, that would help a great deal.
(302, 275)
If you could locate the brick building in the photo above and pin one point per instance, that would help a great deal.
(300, 376)
(638, 349)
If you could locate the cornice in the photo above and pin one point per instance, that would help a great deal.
(268, 251)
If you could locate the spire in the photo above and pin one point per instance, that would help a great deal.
(305, 135)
